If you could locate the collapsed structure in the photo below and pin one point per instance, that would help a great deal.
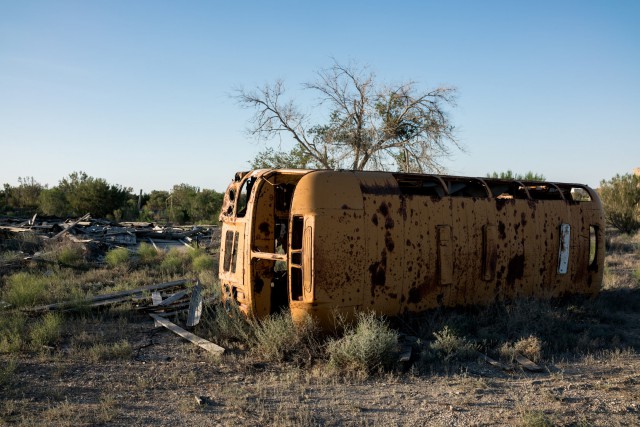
(322, 242)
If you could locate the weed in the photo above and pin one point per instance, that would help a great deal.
(225, 324)
(25, 289)
(117, 257)
(12, 330)
(175, 261)
(536, 419)
(101, 352)
(529, 347)
(147, 254)
(279, 339)
(7, 371)
(46, 331)
(202, 263)
(70, 255)
(368, 347)
(449, 346)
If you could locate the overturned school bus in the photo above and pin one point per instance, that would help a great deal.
(319, 241)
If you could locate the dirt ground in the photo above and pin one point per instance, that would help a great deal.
(163, 380)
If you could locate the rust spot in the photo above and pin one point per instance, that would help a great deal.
(378, 271)
(501, 230)
(384, 209)
(374, 219)
(393, 296)
(345, 207)
(264, 228)
(516, 269)
(388, 242)
(408, 242)
(258, 284)
(389, 223)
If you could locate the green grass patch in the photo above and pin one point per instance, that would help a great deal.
(176, 261)
(12, 332)
(25, 289)
(118, 257)
(46, 331)
(147, 254)
(70, 256)
(7, 373)
(204, 262)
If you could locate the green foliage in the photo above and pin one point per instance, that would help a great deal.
(294, 159)
(46, 331)
(509, 175)
(85, 194)
(368, 347)
(117, 257)
(24, 197)
(225, 325)
(183, 204)
(175, 261)
(25, 289)
(279, 339)
(147, 254)
(12, 331)
(204, 262)
(70, 255)
(536, 419)
(621, 202)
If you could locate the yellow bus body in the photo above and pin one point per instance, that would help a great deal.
(322, 243)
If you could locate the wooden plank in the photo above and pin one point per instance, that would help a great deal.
(200, 342)
(173, 298)
(195, 306)
(527, 364)
(73, 224)
(110, 298)
(156, 298)
(494, 362)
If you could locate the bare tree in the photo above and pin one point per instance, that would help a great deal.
(370, 126)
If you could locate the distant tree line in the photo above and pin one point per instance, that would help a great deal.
(79, 193)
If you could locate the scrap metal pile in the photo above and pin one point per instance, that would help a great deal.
(109, 233)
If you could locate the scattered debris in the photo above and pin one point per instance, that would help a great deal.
(494, 362)
(86, 229)
(527, 364)
(200, 342)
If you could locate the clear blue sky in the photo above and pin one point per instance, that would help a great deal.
(137, 92)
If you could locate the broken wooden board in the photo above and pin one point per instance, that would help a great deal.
(200, 342)
(112, 298)
(195, 306)
(494, 362)
(527, 364)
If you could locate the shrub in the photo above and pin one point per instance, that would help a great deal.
(12, 329)
(203, 262)
(70, 255)
(450, 346)
(147, 254)
(529, 347)
(175, 261)
(621, 202)
(279, 339)
(117, 257)
(25, 289)
(47, 330)
(222, 326)
(368, 347)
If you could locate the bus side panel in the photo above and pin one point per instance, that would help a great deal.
(423, 287)
(469, 215)
(385, 253)
(338, 258)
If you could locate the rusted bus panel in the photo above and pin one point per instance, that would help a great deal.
(399, 243)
